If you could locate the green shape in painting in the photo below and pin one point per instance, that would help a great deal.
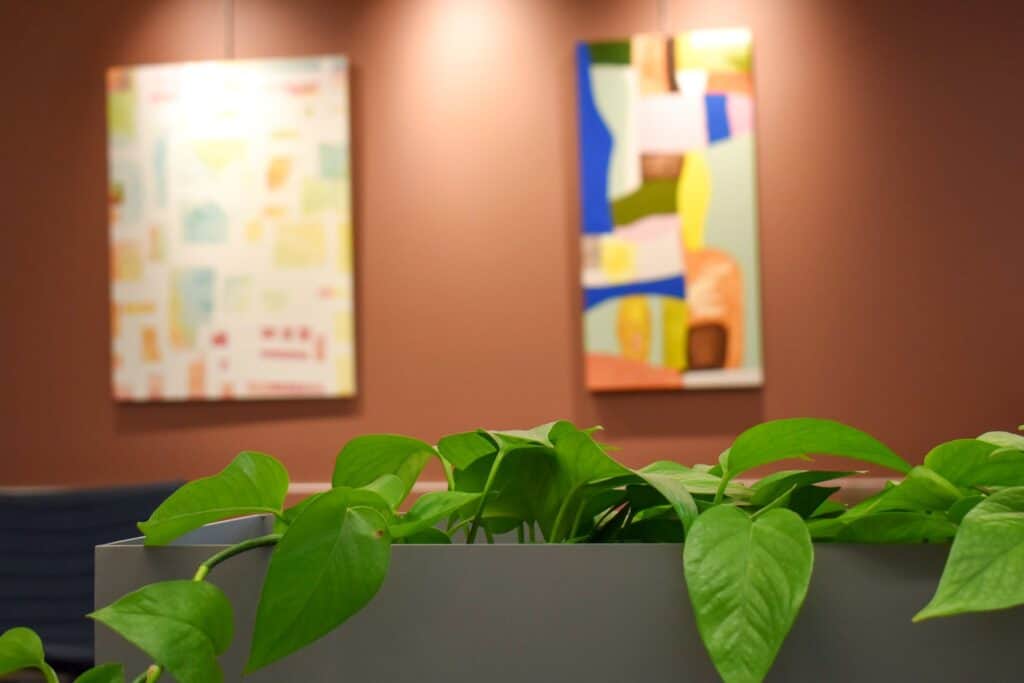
(333, 161)
(731, 226)
(121, 113)
(206, 224)
(653, 197)
(611, 52)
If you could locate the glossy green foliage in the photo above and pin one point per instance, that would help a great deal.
(20, 648)
(747, 546)
(183, 625)
(985, 570)
(331, 561)
(801, 437)
(252, 484)
(107, 673)
(365, 459)
(747, 578)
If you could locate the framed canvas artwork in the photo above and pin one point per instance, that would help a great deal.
(669, 237)
(231, 230)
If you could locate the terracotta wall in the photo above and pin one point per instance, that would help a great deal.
(890, 170)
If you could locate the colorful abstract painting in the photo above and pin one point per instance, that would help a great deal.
(231, 230)
(669, 212)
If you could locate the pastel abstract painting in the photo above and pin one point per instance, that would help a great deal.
(671, 293)
(231, 230)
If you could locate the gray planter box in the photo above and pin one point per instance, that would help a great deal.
(575, 613)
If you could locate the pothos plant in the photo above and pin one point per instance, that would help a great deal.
(747, 547)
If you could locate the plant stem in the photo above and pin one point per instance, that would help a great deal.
(532, 531)
(520, 533)
(488, 535)
(720, 493)
(153, 673)
(449, 475)
(576, 521)
(228, 553)
(471, 537)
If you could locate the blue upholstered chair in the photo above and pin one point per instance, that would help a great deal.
(46, 559)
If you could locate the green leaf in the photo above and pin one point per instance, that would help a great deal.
(978, 462)
(366, 458)
(429, 509)
(182, 625)
(462, 450)
(330, 563)
(1004, 439)
(747, 580)
(697, 481)
(429, 536)
(798, 438)
(254, 483)
(20, 648)
(986, 564)
(923, 489)
(579, 461)
(657, 530)
(774, 485)
(108, 673)
(390, 488)
(894, 527)
(672, 487)
(959, 509)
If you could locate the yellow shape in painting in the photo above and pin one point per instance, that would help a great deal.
(217, 154)
(322, 195)
(121, 113)
(634, 328)
(254, 231)
(127, 262)
(275, 300)
(714, 50)
(693, 195)
(345, 247)
(618, 259)
(301, 245)
(675, 323)
(346, 374)
(343, 328)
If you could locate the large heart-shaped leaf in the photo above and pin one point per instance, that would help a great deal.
(462, 450)
(986, 564)
(254, 483)
(107, 673)
(801, 437)
(328, 565)
(20, 648)
(976, 462)
(366, 458)
(747, 580)
(429, 509)
(390, 488)
(182, 625)
(579, 462)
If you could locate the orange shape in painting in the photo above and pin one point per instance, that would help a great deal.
(197, 379)
(278, 171)
(606, 372)
(714, 293)
(729, 81)
(150, 345)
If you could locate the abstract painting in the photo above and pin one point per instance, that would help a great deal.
(230, 230)
(671, 294)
